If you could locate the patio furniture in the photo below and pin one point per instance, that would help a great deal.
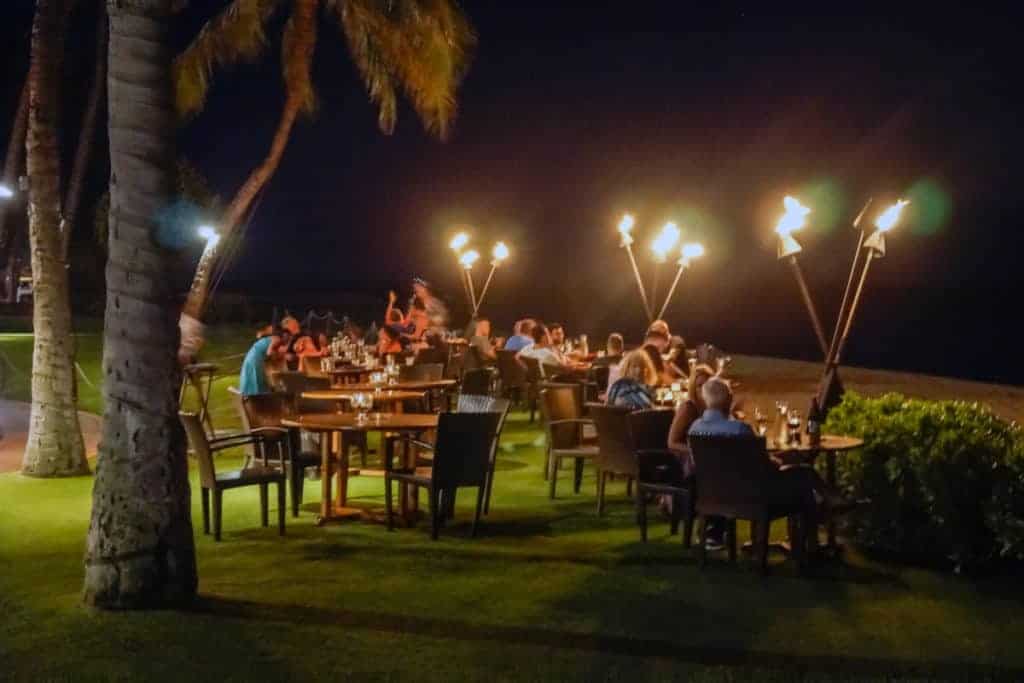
(199, 376)
(737, 480)
(616, 455)
(660, 472)
(515, 382)
(534, 376)
(562, 412)
(462, 454)
(424, 372)
(210, 480)
(477, 382)
(469, 403)
(310, 366)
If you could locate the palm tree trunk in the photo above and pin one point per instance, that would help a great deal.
(86, 136)
(304, 16)
(140, 551)
(12, 165)
(54, 446)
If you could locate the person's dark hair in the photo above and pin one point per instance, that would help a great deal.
(394, 316)
(616, 342)
(656, 335)
(655, 355)
(539, 332)
(556, 326)
(393, 332)
(417, 303)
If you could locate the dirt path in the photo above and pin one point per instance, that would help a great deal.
(14, 427)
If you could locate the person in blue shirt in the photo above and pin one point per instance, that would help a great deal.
(252, 379)
(633, 387)
(523, 336)
(715, 420)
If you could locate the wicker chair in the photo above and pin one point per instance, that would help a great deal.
(562, 410)
(616, 455)
(477, 382)
(659, 471)
(470, 403)
(210, 480)
(462, 454)
(737, 480)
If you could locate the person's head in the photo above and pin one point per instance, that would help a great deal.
(658, 339)
(526, 326)
(483, 327)
(700, 375)
(557, 333)
(321, 341)
(291, 324)
(394, 316)
(388, 335)
(659, 326)
(421, 288)
(654, 355)
(637, 366)
(717, 395)
(615, 344)
(540, 335)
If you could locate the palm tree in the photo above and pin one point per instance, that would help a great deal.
(140, 551)
(54, 446)
(419, 47)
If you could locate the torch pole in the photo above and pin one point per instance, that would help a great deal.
(853, 308)
(472, 294)
(671, 291)
(831, 355)
(483, 292)
(639, 283)
(654, 284)
(809, 303)
(465, 287)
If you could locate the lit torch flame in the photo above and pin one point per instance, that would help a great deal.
(459, 241)
(887, 220)
(468, 258)
(625, 227)
(690, 251)
(500, 252)
(793, 219)
(665, 241)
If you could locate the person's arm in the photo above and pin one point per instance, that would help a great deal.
(392, 297)
(677, 433)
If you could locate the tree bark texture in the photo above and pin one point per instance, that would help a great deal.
(54, 446)
(140, 549)
(304, 15)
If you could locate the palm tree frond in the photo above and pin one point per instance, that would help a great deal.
(236, 34)
(423, 47)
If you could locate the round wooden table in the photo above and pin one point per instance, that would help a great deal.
(389, 398)
(805, 453)
(409, 385)
(329, 424)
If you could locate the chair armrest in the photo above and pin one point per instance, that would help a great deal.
(233, 441)
(269, 431)
(572, 420)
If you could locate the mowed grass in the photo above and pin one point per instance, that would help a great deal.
(548, 591)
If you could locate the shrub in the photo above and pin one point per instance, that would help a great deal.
(945, 479)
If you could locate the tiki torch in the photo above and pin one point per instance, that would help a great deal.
(457, 242)
(689, 251)
(466, 260)
(625, 230)
(663, 243)
(498, 254)
(793, 219)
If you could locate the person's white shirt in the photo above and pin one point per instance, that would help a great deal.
(544, 355)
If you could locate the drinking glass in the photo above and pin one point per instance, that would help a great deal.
(761, 420)
(362, 403)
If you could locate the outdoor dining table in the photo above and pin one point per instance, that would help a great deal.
(400, 385)
(330, 424)
(804, 453)
(350, 374)
(390, 398)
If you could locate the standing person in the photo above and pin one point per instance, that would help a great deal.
(252, 378)
(633, 387)
(523, 336)
(435, 310)
(389, 340)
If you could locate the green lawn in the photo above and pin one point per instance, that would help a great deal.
(547, 591)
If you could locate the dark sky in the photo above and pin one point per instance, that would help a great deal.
(575, 112)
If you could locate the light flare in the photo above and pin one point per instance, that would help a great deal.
(500, 252)
(887, 220)
(793, 219)
(665, 241)
(468, 258)
(459, 241)
(626, 228)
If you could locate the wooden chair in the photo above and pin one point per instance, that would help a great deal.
(512, 375)
(659, 471)
(562, 411)
(470, 403)
(218, 482)
(424, 372)
(737, 480)
(310, 367)
(616, 455)
(534, 377)
(462, 455)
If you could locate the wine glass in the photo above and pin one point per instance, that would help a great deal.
(793, 424)
(761, 420)
(362, 402)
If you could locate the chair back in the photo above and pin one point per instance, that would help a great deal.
(200, 448)
(238, 401)
(562, 402)
(512, 373)
(310, 366)
(533, 371)
(462, 452)
(477, 382)
(431, 354)
(264, 410)
(730, 470)
(615, 443)
(421, 372)
(599, 375)
(649, 428)
(470, 403)
(294, 383)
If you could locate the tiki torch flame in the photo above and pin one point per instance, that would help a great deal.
(794, 218)
(887, 220)
(665, 241)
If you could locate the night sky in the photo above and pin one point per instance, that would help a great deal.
(574, 113)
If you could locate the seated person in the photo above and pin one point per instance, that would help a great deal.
(613, 349)
(522, 335)
(633, 387)
(481, 342)
(557, 332)
(542, 351)
(656, 344)
(389, 340)
(259, 359)
(687, 413)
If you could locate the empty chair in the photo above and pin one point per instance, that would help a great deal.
(737, 480)
(421, 372)
(659, 471)
(534, 376)
(512, 375)
(474, 403)
(616, 455)
(562, 409)
(310, 366)
(210, 480)
(477, 382)
(462, 453)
